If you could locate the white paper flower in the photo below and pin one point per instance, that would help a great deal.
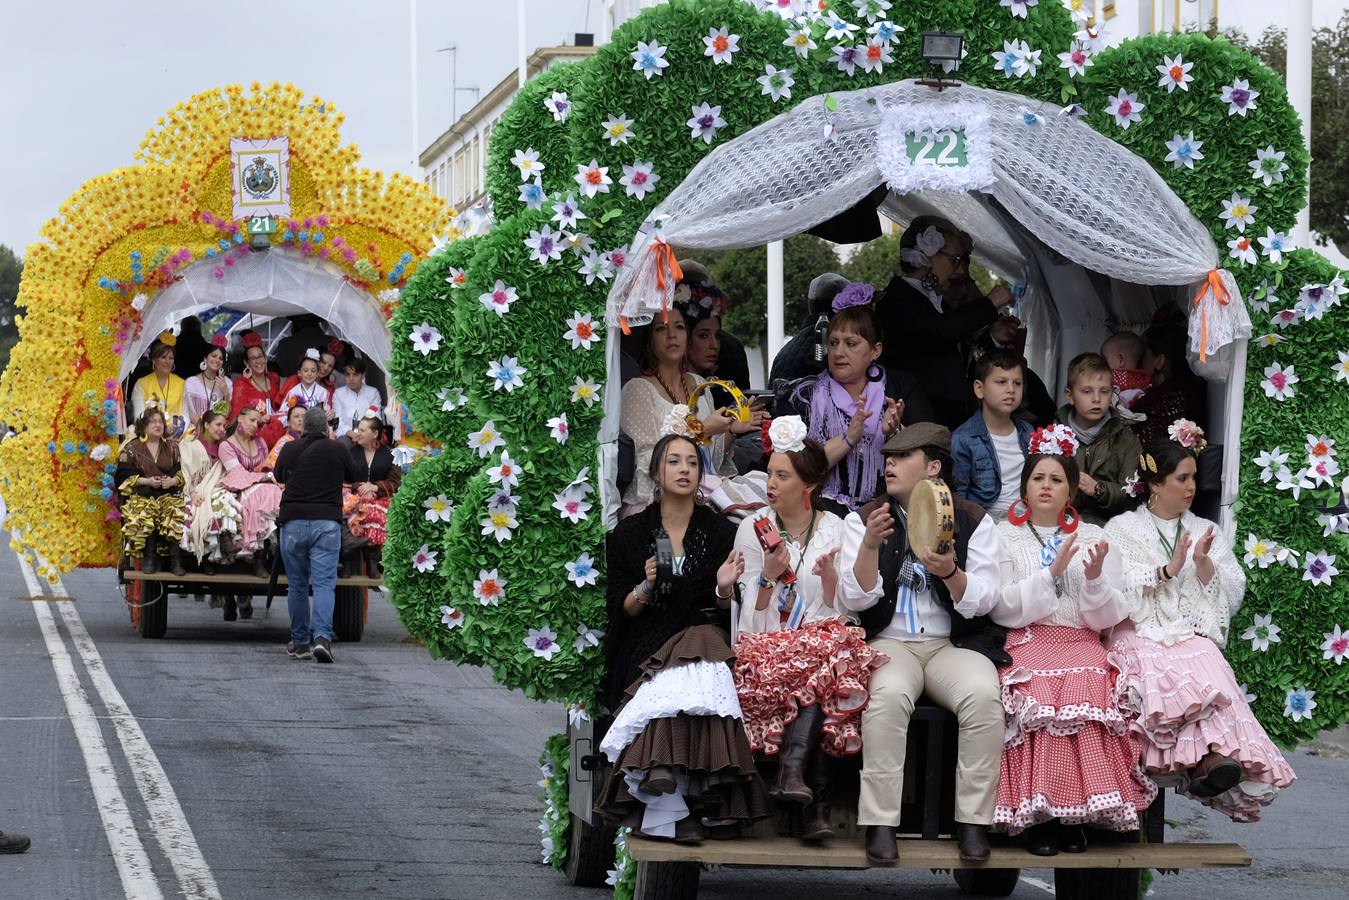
(502, 500)
(953, 65)
(1296, 482)
(581, 483)
(638, 180)
(776, 83)
(1259, 552)
(1261, 633)
(787, 434)
(572, 505)
(1286, 556)
(586, 637)
(543, 641)
(1094, 38)
(1278, 382)
(531, 195)
(544, 245)
(507, 474)
(1270, 340)
(618, 129)
(1011, 59)
(527, 161)
(1341, 369)
(558, 429)
(489, 588)
(1241, 248)
(848, 57)
(1268, 165)
(558, 105)
(1320, 446)
(451, 398)
(500, 523)
(578, 242)
(404, 455)
(887, 31)
(566, 213)
(593, 178)
(438, 508)
(100, 452)
(582, 571)
(1299, 704)
(451, 618)
(1239, 97)
(424, 560)
(596, 265)
(1336, 645)
(649, 59)
(577, 714)
(1075, 60)
(138, 302)
(788, 9)
(837, 29)
(1276, 244)
(499, 298)
(875, 54)
(580, 331)
(506, 374)
(585, 390)
(1175, 73)
(425, 338)
(1319, 568)
(1238, 212)
(1080, 10)
(487, 440)
(1285, 317)
(1126, 109)
(1323, 471)
(456, 278)
(1184, 151)
(1246, 694)
(1270, 461)
(799, 39)
(1018, 7)
(721, 45)
(705, 122)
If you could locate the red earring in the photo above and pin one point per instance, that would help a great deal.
(1019, 518)
(805, 495)
(1068, 523)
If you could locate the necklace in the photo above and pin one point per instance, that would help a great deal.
(1049, 550)
(674, 398)
(805, 539)
(1170, 545)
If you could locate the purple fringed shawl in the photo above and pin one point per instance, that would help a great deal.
(831, 407)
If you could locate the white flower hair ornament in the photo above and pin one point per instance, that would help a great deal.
(1056, 440)
(1188, 434)
(929, 244)
(676, 421)
(787, 434)
(314, 354)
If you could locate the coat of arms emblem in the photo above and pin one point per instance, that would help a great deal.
(260, 178)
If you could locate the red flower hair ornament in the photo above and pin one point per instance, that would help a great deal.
(1056, 440)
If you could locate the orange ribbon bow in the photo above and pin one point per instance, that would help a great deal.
(1214, 284)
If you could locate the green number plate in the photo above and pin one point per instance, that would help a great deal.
(944, 148)
(262, 225)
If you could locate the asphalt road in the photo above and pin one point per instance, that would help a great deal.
(210, 765)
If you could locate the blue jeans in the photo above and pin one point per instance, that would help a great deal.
(310, 549)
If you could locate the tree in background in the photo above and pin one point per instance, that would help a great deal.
(1330, 118)
(11, 269)
(742, 276)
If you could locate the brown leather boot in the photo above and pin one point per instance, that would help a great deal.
(176, 560)
(817, 822)
(881, 847)
(150, 556)
(972, 841)
(1214, 775)
(801, 739)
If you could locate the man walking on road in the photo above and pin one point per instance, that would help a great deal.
(313, 470)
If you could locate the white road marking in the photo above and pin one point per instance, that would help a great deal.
(1035, 882)
(128, 853)
(166, 815)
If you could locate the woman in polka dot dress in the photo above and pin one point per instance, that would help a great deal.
(1068, 760)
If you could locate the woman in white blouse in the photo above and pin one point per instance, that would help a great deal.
(1198, 731)
(1068, 759)
(663, 387)
(801, 670)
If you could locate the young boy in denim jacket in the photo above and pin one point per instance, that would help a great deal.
(989, 449)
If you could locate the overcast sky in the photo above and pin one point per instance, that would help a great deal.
(82, 80)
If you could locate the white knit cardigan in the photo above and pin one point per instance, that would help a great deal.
(1028, 594)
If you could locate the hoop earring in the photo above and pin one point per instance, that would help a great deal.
(1151, 499)
(1019, 518)
(875, 372)
(202, 365)
(700, 498)
(1068, 523)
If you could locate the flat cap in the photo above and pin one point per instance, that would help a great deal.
(919, 434)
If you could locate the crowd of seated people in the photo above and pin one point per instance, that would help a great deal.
(194, 477)
(1079, 584)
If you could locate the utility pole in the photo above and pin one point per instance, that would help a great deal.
(1299, 78)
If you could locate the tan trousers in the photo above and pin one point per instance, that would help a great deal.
(962, 681)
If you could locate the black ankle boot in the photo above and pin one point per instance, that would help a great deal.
(800, 741)
(817, 821)
(1072, 839)
(149, 557)
(1043, 839)
(373, 556)
(176, 560)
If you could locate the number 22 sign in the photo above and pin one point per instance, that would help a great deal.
(942, 146)
(938, 147)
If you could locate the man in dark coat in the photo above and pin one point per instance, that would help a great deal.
(796, 359)
(306, 330)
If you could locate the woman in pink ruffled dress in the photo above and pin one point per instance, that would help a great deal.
(1068, 759)
(1199, 733)
(242, 455)
(801, 670)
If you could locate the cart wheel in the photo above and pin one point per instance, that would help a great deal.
(154, 609)
(590, 853)
(986, 882)
(349, 614)
(666, 881)
(1096, 884)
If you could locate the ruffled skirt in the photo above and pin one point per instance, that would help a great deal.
(367, 517)
(1188, 705)
(826, 662)
(682, 721)
(144, 516)
(259, 503)
(1067, 751)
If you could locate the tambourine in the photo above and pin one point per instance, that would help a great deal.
(742, 411)
(932, 517)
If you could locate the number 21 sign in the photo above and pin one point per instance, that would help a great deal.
(935, 147)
